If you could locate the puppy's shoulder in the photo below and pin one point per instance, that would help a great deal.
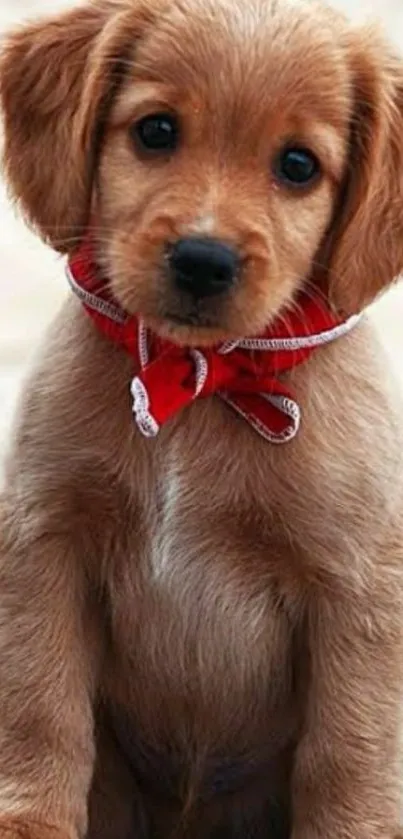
(74, 414)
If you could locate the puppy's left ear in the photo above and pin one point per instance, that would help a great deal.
(57, 79)
(365, 243)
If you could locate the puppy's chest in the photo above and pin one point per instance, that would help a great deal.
(208, 531)
(204, 622)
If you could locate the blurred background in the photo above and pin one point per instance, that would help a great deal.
(32, 284)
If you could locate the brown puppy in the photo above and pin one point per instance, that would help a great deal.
(202, 634)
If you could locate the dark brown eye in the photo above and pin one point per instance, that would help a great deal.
(296, 167)
(157, 133)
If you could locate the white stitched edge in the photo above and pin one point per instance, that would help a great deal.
(287, 406)
(141, 409)
(299, 342)
(201, 370)
(94, 302)
(143, 344)
(228, 347)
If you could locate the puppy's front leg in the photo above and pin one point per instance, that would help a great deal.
(345, 783)
(46, 685)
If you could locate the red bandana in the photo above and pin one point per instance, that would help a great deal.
(246, 373)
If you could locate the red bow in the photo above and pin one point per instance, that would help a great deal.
(245, 373)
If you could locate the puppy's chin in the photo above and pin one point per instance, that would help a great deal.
(189, 332)
(206, 325)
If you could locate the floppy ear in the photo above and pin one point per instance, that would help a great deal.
(57, 79)
(365, 246)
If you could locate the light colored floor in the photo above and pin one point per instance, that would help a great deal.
(32, 283)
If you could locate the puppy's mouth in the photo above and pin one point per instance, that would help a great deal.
(192, 319)
(192, 327)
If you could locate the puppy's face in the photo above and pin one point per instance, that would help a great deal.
(223, 155)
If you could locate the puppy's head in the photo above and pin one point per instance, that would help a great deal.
(222, 155)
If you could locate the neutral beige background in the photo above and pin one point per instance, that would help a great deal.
(31, 280)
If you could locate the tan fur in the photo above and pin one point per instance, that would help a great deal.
(227, 602)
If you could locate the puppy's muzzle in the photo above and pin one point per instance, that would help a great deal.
(203, 267)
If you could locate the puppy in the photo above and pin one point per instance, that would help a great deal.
(202, 601)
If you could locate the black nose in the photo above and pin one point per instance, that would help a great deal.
(203, 267)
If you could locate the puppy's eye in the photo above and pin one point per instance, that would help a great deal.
(156, 133)
(296, 167)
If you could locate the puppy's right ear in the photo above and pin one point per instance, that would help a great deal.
(57, 79)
